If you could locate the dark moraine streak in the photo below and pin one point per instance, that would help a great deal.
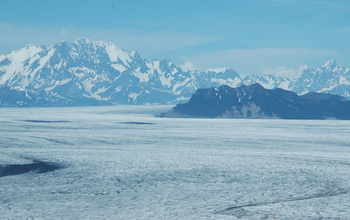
(44, 121)
(316, 196)
(137, 123)
(36, 167)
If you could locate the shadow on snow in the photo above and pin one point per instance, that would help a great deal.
(35, 167)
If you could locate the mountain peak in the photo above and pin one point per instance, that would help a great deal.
(331, 64)
(83, 40)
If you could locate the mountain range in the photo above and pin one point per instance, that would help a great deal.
(98, 73)
(255, 101)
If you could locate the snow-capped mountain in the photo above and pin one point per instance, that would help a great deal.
(268, 81)
(330, 78)
(93, 73)
(99, 71)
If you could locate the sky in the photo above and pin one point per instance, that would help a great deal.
(278, 37)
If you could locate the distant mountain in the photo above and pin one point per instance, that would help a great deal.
(330, 78)
(255, 101)
(268, 81)
(10, 97)
(98, 73)
(88, 72)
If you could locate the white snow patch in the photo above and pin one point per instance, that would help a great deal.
(143, 77)
(42, 62)
(115, 54)
(270, 83)
(102, 90)
(19, 88)
(58, 66)
(134, 95)
(154, 64)
(119, 67)
(230, 82)
(17, 58)
(329, 63)
(154, 67)
(88, 85)
(285, 85)
(182, 98)
(57, 83)
(132, 54)
(74, 54)
(97, 96)
(2, 57)
(165, 81)
(174, 71)
(179, 84)
(343, 81)
(28, 96)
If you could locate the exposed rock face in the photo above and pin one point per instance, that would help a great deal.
(256, 102)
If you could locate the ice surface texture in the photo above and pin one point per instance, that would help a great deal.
(120, 163)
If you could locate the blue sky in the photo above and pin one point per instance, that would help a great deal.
(278, 37)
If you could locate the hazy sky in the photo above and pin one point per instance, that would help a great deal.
(268, 36)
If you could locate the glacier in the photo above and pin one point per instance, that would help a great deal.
(121, 162)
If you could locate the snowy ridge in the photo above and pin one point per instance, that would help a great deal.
(268, 81)
(15, 61)
(97, 70)
(331, 77)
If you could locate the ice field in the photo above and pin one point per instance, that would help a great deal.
(121, 162)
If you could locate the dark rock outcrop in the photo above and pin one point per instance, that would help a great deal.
(256, 102)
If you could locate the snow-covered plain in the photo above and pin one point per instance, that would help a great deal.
(124, 163)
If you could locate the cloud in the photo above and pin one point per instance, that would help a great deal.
(188, 66)
(16, 37)
(65, 33)
(252, 61)
(146, 43)
(280, 61)
(285, 72)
